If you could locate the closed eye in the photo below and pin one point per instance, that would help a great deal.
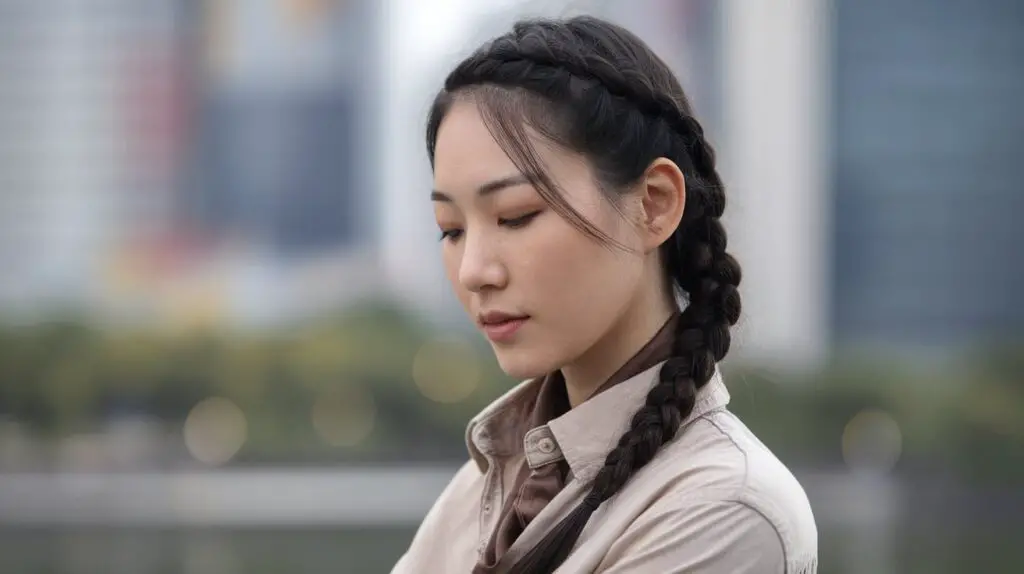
(521, 221)
(454, 234)
(450, 234)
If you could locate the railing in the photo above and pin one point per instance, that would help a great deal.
(320, 497)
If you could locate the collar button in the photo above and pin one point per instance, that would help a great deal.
(546, 445)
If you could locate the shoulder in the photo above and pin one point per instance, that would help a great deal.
(457, 499)
(724, 470)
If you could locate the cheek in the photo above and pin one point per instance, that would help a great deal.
(576, 278)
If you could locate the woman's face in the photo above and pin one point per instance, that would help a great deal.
(542, 291)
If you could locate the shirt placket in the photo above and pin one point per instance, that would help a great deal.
(490, 499)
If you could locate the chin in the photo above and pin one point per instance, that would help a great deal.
(522, 364)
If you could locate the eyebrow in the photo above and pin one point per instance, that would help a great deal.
(486, 189)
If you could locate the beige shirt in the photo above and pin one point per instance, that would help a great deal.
(715, 500)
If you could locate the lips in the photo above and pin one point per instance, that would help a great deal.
(501, 327)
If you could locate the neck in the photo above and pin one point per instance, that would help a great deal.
(638, 325)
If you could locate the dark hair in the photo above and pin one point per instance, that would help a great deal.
(597, 89)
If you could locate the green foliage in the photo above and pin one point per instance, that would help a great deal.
(62, 378)
(963, 419)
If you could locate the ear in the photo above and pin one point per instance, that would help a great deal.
(663, 192)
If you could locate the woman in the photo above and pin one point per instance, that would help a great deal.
(578, 202)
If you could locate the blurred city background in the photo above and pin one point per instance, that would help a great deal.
(226, 344)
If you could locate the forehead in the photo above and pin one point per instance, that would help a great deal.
(466, 154)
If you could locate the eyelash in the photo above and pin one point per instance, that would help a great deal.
(512, 223)
(450, 234)
(518, 222)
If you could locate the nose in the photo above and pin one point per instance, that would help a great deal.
(481, 267)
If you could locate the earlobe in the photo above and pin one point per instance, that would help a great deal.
(664, 199)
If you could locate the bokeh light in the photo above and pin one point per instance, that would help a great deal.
(215, 431)
(446, 370)
(872, 442)
(344, 417)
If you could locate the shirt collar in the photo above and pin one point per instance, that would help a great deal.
(497, 430)
(583, 436)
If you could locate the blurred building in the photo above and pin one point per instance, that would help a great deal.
(927, 188)
(88, 133)
(287, 136)
(286, 123)
(170, 160)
